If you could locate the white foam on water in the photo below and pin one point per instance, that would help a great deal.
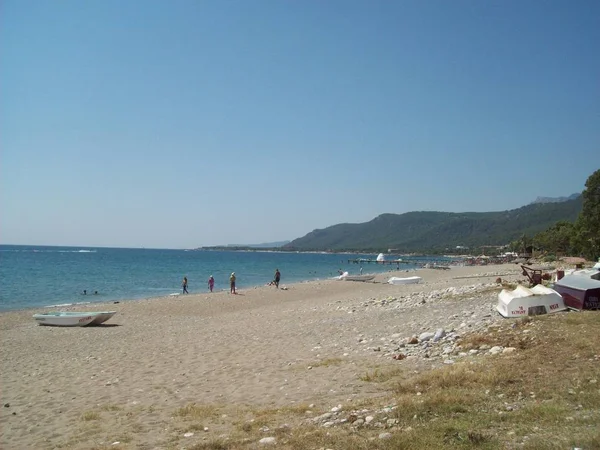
(60, 305)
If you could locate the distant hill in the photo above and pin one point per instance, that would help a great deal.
(269, 244)
(431, 230)
(555, 199)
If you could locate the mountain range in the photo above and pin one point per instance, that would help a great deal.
(433, 230)
(555, 199)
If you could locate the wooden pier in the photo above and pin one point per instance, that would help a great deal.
(431, 263)
(374, 261)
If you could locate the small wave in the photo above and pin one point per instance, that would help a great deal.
(62, 305)
(86, 251)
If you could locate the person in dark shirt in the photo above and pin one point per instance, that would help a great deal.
(277, 278)
(184, 285)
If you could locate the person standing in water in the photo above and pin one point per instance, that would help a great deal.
(277, 278)
(211, 283)
(184, 285)
(232, 283)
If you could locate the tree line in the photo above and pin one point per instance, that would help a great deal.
(579, 238)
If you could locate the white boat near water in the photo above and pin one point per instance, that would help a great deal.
(358, 277)
(73, 319)
(524, 301)
(406, 280)
(347, 277)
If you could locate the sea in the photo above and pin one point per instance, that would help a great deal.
(38, 276)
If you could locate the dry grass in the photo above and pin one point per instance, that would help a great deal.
(90, 415)
(110, 408)
(197, 412)
(540, 397)
(327, 362)
(382, 375)
(543, 396)
(217, 444)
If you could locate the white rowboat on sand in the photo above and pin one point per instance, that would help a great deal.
(73, 319)
(358, 277)
(407, 280)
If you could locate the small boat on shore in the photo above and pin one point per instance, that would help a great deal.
(580, 289)
(406, 280)
(73, 319)
(347, 277)
(523, 301)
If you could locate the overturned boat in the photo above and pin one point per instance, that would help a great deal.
(580, 289)
(533, 301)
(406, 280)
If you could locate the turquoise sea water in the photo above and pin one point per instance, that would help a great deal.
(43, 276)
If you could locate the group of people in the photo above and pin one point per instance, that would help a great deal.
(232, 290)
(211, 283)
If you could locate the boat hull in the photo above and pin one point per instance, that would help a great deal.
(73, 319)
(358, 278)
(407, 280)
(580, 290)
(56, 320)
(523, 301)
(99, 316)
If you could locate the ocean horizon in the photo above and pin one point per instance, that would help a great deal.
(43, 276)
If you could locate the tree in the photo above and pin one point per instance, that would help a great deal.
(587, 227)
(557, 239)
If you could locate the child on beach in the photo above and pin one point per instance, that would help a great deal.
(232, 283)
(211, 283)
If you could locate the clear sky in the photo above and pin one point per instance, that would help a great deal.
(184, 123)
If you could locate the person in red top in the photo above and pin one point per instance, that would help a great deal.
(211, 283)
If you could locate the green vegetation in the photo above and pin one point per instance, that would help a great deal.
(570, 227)
(581, 237)
(433, 232)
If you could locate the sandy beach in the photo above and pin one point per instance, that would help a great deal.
(307, 344)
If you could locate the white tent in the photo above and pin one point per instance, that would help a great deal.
(529, 302)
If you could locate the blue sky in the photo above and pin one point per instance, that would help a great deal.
(188, 123)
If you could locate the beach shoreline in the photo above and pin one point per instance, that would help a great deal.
(264, 347)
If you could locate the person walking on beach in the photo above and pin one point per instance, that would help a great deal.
(232, 283)
(184, 285)
(211, 283)
(277, 278)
